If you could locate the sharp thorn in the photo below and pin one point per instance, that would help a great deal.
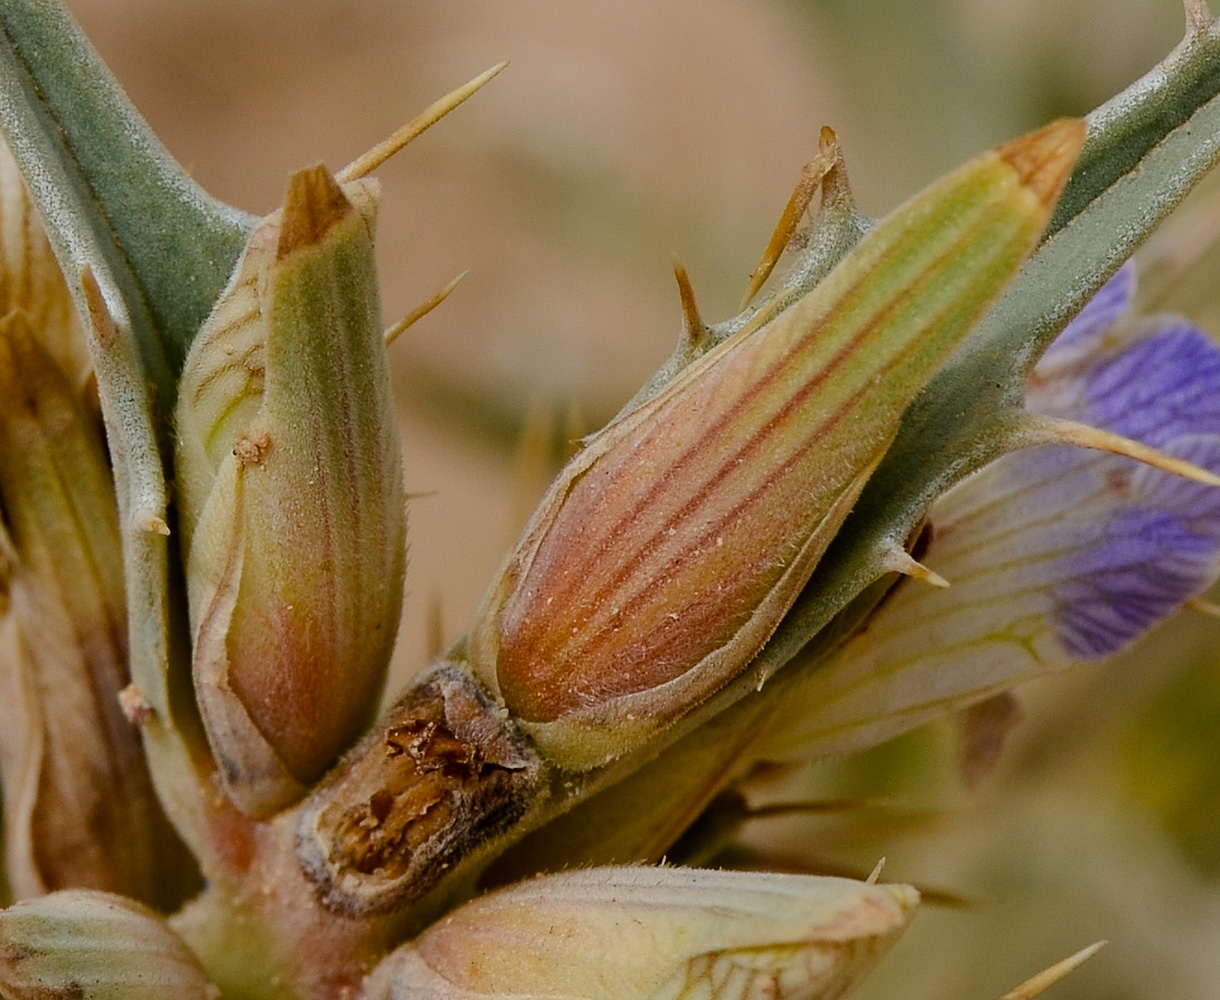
(811, 176)
(1035, 430)
(1049, 976)
(875, 875)
(421, 310)
(575, 428)
(899, 560)
(150, 522)
(364, 165)
(1203, 607)
(535, 459)
(434, 629)
(693, 328)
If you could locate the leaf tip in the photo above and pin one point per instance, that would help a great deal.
(1043, 159)
(314, 204)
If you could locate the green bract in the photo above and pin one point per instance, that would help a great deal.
(291, 498)
(669, 550)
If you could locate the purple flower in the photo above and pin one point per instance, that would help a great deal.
(1127, 544)
(1054, 554)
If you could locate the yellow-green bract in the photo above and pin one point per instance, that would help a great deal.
(668, 551)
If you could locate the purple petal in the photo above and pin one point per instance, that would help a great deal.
(1163, 386)
(1158, 549)
(1144, 541)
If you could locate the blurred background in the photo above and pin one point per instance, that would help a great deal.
(625, 133)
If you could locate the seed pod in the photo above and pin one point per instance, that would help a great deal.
(94, 946)
(291, 496)
(668, 551)
(644, 933)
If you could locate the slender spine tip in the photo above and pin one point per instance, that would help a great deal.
(422, 310)
(434, 628)
(899, 560)
(811, 176)
(365, 164)
(134, 705)
(1036, 430)
(1201, 606)
(150, 522)
(1048, 977)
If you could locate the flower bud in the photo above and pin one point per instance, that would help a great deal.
(94, 946)
(291, 496)
(653, 933)
(80, 810)
(669, 550)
